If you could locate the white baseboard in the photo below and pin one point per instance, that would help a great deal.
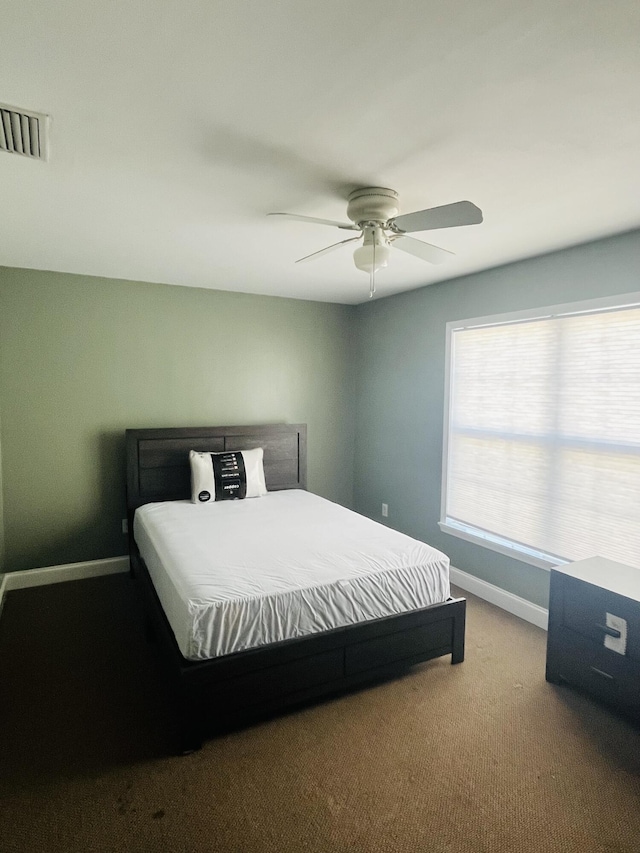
(506, 600)
(59, 574)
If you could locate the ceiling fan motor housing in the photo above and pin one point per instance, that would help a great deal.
(372, 204)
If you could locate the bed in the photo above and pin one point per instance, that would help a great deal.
(314, 601)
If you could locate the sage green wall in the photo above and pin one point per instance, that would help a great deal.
(84, 358)
(400, 364)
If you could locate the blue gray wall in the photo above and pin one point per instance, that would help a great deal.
(400, 374)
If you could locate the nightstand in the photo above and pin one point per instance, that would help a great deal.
(593, 642)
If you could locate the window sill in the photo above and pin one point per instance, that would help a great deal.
(501, 547)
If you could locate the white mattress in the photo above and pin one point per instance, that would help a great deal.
(235, 575)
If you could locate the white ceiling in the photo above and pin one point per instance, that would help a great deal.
(178, 124)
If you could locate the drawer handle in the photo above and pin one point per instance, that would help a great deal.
(601, 672)
(612, 632)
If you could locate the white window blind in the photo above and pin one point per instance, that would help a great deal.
(543, 436)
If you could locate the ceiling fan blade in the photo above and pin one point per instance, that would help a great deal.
(327, 249)
(446, 216)
(425, 251)
(347, 226)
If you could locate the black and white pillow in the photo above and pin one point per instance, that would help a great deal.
(230, 475)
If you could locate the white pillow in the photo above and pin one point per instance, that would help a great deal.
(230, 475)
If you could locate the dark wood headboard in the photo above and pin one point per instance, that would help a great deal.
(158, 459)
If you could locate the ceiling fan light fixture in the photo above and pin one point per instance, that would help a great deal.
(368, 258)
(373, 255)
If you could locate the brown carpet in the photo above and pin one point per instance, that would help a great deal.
(484, 756)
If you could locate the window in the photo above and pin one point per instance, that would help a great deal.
(542, 433)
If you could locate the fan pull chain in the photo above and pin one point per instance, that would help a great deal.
(372, 273)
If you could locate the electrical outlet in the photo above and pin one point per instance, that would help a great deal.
(385, 510)
(125, 525)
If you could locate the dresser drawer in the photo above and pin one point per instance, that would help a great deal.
(591, 667)
(585, 611)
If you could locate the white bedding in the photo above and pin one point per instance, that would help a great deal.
(235, 575)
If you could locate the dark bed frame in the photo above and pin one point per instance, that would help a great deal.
(224, 692)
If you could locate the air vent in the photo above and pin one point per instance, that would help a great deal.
(23, 132)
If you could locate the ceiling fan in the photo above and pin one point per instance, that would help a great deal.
(373, 212)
